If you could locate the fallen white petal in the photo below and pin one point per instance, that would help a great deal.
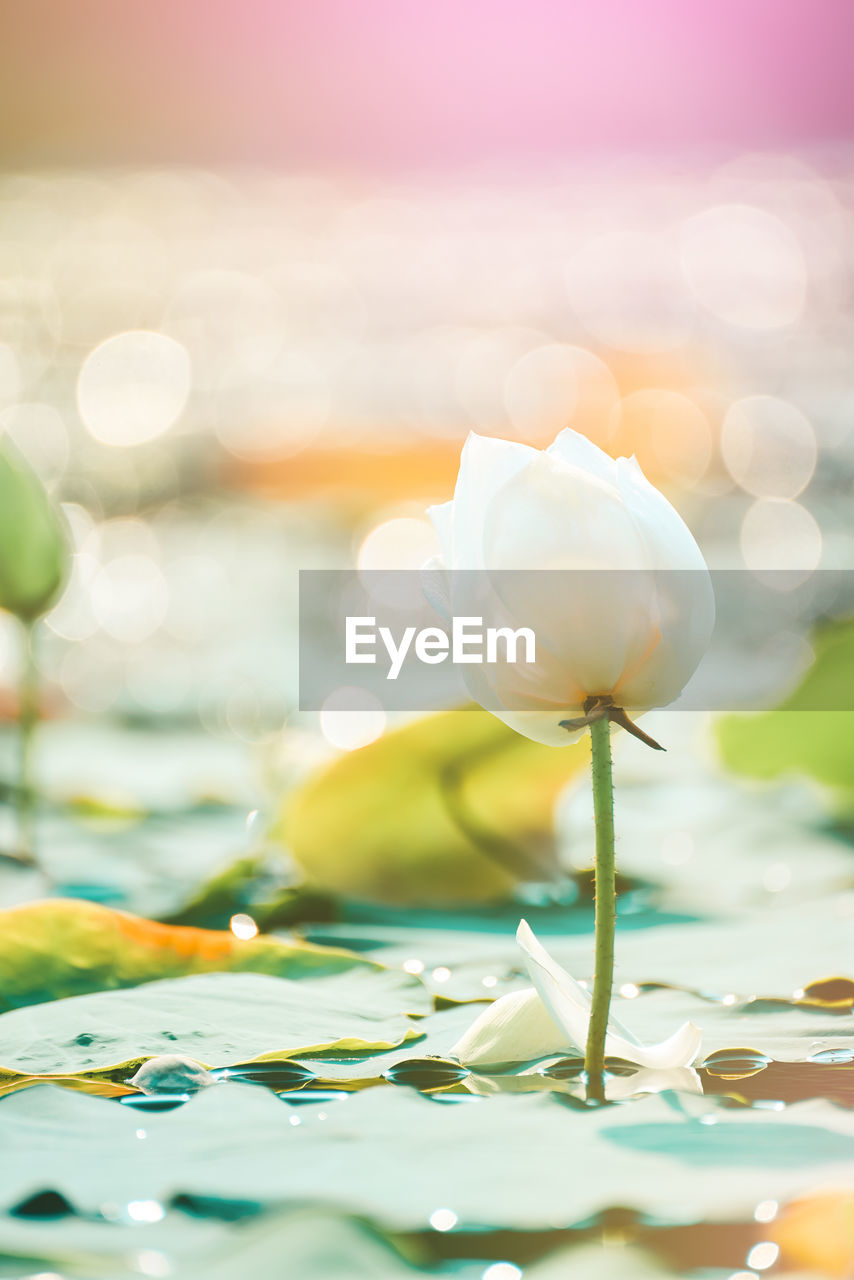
(514, 1028)
(569, 1006)
(553, 1017)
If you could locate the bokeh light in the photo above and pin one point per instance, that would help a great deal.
(768, 446)
(627, 290)
(667, 431)
(10, 375)
(777, 535)
(557, 386)
(230, 321)
(39, 432)
(405, 542)
(351, 718)
(276, 412)
(133, 387)
(130, 598)
(745, 266)
(243, 926)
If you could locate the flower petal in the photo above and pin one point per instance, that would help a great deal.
(569, 1006)
(678, 1050)
(556, 518)
(567, 1001)
(667, 539)
(436, 586)
(486, 465)
(514, 1028)
(578, 451)
(442, 516)
(685, 598)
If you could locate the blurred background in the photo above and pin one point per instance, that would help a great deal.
(264, 265)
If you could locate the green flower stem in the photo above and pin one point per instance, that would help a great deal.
(28, 717)
(606, 906)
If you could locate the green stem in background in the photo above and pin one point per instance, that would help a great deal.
(606, 906)
(28, 718)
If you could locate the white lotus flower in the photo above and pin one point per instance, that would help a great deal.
(552, 1017)
(628, 634)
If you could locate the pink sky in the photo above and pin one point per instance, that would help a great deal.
(411, 82)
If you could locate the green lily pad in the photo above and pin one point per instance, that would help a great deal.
(217, 1018)
(62, 947)
(798, 738)
(516, 1160)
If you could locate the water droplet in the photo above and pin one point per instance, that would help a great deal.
(441, 974)
(413, 966)
(279, 1075)
(426, 1073)
(830, 991)
(731, 1064)
(502, 1271)
(833, 1055)
(171, 1074)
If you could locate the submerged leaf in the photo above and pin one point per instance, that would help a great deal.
(453, 808)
